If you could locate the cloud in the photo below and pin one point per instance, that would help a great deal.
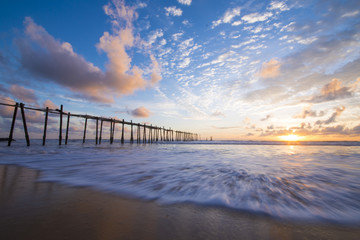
(185, 2)
(23, 94)
(332, 118)
(48, 58)
(155, 35)
(244, 43)
(225, 128)
(176, 36)
(281, 6)
(305, 130)
(307, 112)
(266, 118)
(173, 11)
(351, 14)
(155, 75)
(256, 17)
(270, 69)
(48, 103)
(218, 113)
(6, 111)
(140, 112)
(334, 90)
(185, 63)
(228, 16)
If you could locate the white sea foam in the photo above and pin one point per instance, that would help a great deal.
(317, 182)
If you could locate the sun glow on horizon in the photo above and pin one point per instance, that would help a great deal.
(291, 137)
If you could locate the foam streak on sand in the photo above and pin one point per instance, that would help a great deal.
(45, 210)
(312, 183)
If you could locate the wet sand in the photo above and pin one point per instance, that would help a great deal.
(45, 210)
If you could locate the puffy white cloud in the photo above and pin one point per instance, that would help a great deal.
(236, 23)
(256, 17)
(155, 35)
(243, 43)
(176, 36)
(281, 6)
(173, 11)
(185, 2)
(185, 63)
(228, 16)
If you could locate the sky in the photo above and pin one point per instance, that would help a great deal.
(236, 70)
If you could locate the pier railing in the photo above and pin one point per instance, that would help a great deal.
(151, 134)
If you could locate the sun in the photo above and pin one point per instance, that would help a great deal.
(291, 137)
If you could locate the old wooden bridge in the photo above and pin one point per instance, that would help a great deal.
(150, 133)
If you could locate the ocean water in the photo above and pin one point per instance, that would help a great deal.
(309, 181)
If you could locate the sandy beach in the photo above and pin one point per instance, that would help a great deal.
(45, 210)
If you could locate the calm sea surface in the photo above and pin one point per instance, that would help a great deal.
(313, 181)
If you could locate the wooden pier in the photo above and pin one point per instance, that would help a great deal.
(151, 134)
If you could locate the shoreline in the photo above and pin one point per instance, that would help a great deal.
(49, 210)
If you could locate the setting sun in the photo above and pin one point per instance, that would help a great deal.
(291, 137)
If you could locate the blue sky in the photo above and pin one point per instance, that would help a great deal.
(228, 69)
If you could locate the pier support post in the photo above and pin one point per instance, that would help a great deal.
(24, 123)
(138, 134)
(85, 130)
(67, 128)
(101, 126)
(111, 131)
(131, 133)
(144, 134)
(122, 132)
(13, 124)
(45, 125)
(97, 127)
(60, 128)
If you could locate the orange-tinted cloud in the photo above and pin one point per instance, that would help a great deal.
(48, 103)
(334, 90)
(333, 117)
(270, 69)
(140, 112)
(50, 59)
(307, 112)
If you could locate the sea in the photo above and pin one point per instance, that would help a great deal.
(304, 181)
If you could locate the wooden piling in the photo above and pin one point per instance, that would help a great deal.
(60, 128)
(24, 123)
(131, 133)
(113, 132)
(150, 134)
(45, 125)
(144, 134)
(101, 126)
(12, 125)
(138, 133)
(122, 132)
(97, 126)
(85, 130)
(67, 128)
